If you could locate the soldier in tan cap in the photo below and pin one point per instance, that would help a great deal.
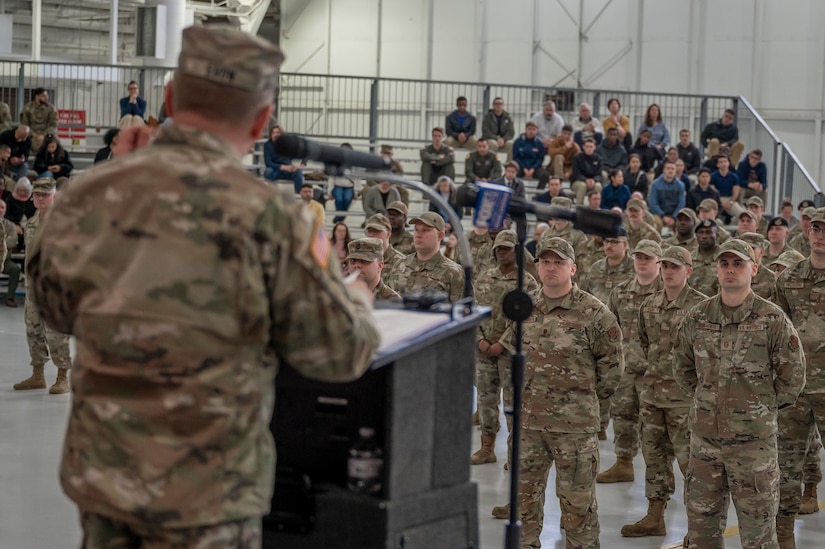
(764, 283)
(401, 239)
(492, 362)
(786, 259)
(624, 302)
(704, 277)
(564, 229)
(195, 282)
(637, 228)
(427, 268)
(663, 405)
(747, 222)
(708, 209)
(738, 349)
(801, 242)
(573, 353)
(684, 227)
(756, 205)
(378, 226)
(366, 256)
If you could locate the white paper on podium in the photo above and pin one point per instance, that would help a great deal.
(396, 325)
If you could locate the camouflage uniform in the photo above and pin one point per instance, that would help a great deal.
(740, 369)
(603, 277)
(575, 237)
(800, 292)
(40, 117)
(573, 359)
(722, 235)
(482, 167)
(403, 242)
(43, 341)
(801, 244)
(195, 281)
(690, 245)
(764, 283)
(704, 279)
(385, 293)
(444, 163)
(664, 406)
(624, 302)
(588, 253)
(644, 232)
(393, 266)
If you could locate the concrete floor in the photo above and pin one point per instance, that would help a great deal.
(35, 514)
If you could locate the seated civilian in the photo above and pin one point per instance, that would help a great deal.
(511, 179)
(659, 134)
(756, 205)
(667, 196)
(540, 229)
(612, 152)
(587, 171)
(306, 194)
(109, 140)
(723, 132)
(482, 165)
(549, 123)
(786, 213)
(635, 177)
(19, 141)
(701, 191)
(562, 150)
(461, 126)
(498, 129)
(377, 197)
(689, 153)
(132, 108)
(340, 238)
(727, 183)
(753, 176)
(20, 207)
(528, 153)
(680, 173)
(279, 167)
(616, 120)
(437, 159)
(647, 153)
(52, 159)
(672, 154)
(445, 187)
(585, 126)
(594, 199)
(616, 193)
(554, 190)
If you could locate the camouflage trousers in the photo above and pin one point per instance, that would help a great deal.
(624, 409)
(604, 414)
(812, 470)
(576, 456)
(797, 426)
(746, 471)
(101, 532)
(43, 341)
(493, 375)
(665, 436)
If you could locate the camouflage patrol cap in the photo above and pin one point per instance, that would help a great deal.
(636, 204)
(648, 248)
(808, 212)
(688, 212)
(230, 58)
(709, 204)
(559, 246)
(778, 222)
(366, 249)
(431, 219)
(737, 247)
(505, 239)
(755, 201)
(756, 240)
(705, 224)
(677, 255)
(561, 201)
(398, 206)
(817, 217)
(788, 258)
(379, 222)
(386, 148)
(749, 214)
(44, 185)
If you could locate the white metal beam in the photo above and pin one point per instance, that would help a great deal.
(37, 31)
(113, 32)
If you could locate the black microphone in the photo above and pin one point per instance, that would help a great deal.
(293, 146)
(596, 222)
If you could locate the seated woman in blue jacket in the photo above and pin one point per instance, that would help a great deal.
(280, 167)
(616, 193)
(132, 107)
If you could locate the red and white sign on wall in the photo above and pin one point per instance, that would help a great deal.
(71, 126)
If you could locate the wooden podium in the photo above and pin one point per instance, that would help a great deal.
(417, 395)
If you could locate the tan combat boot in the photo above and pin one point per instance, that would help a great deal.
(61, 384)
(36, 381)
(622, 471)
(486, 454)
(501, 511)
(810, 501)
(652, 524)
(784, 532)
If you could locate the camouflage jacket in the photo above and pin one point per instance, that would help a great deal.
(690, 245)
(645, 231)
(586, 256)
(575, 237)
(603, 277)
(403, 243)
(573, 360)
(194, 282)
(764, 283)
(722, 235)
(800, 291)
(393, 266)
(625, 301)
(491, 287)
(801, 244)
(437, 273)
(383, 292)
(740, 370)
(482, 167)
(659, 322)
(704, 279)
(41, 118)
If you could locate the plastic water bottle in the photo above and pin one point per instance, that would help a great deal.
(365, 464)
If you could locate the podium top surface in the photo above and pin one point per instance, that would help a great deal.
(403, 332)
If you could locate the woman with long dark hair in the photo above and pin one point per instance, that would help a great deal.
(659, 134)
(340, 240)
(52, 159)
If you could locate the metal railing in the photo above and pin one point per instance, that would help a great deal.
(371, 111)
